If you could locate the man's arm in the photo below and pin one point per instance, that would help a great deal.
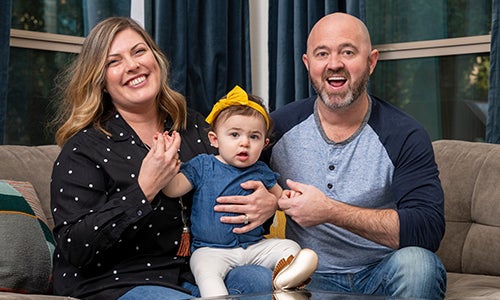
(312, 207)
(259, 206)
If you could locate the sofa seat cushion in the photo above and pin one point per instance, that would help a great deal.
(26, 241)
(472, 286)
(14, 296)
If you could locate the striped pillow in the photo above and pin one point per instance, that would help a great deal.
(26, 242)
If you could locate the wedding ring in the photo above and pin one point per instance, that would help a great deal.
(246, 220)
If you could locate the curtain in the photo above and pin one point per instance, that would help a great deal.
(493, 120)
(289, 26)
(207, 44)
(5, 16)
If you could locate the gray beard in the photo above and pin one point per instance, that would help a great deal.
(334, 101)
(344, 102)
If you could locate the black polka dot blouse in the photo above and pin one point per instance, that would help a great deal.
(109, 238)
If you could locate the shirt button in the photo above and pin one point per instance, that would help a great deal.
(331, 167)
(329, 185)
(139, 212)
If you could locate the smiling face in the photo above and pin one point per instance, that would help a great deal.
(339, 59)
(240, 139)
(133, 75)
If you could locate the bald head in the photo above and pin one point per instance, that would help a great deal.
(339, 25)
(340, 60)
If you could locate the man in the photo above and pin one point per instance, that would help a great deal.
(367, 197)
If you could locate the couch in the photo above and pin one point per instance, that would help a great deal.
(470, 174)
(470, 250)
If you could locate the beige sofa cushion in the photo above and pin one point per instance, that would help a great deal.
(32, 164)
(469, 287)
(470, 175)
(14, 296)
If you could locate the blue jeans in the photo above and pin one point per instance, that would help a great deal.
(410, 272)
(241, 280)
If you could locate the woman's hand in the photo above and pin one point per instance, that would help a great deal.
(160, 165)
(255, 208)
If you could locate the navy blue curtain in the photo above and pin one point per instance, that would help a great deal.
(208, 45)
(5, 15)
(289, 25)
(493, 120)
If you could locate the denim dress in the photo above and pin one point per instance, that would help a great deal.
(211, 179)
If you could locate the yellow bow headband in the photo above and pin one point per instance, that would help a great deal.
(237, 96)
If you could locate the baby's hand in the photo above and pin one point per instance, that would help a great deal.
(170, 138)
(290, 194)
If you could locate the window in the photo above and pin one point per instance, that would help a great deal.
(45, 37)
(434, 62)
(61, 17)
(30, 88)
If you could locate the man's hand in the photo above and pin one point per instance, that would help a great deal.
(305, 204)
(258, 207)
(310, 207)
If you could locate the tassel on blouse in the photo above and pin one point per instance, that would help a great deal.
(185, 243)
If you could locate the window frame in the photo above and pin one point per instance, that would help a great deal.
(434, 48)
(430, 48)
(45, 41)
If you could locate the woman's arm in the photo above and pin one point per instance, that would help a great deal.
(89, 216)
(101, 188)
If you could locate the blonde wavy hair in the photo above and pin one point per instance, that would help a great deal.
(81, 86)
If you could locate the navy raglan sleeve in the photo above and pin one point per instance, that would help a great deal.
(420, 199)
(415, 186)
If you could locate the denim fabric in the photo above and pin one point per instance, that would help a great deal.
(248, 279)
(241, 280)
(154, 292)
(410, 272)
(211, 179)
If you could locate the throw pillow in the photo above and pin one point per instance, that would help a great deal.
(26, 241)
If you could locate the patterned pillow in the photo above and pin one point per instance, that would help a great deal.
(26, 242)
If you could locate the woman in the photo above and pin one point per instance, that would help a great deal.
(117, 234)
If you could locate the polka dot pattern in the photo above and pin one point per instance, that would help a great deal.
(104, 225)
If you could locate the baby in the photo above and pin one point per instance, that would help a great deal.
(240, 128)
